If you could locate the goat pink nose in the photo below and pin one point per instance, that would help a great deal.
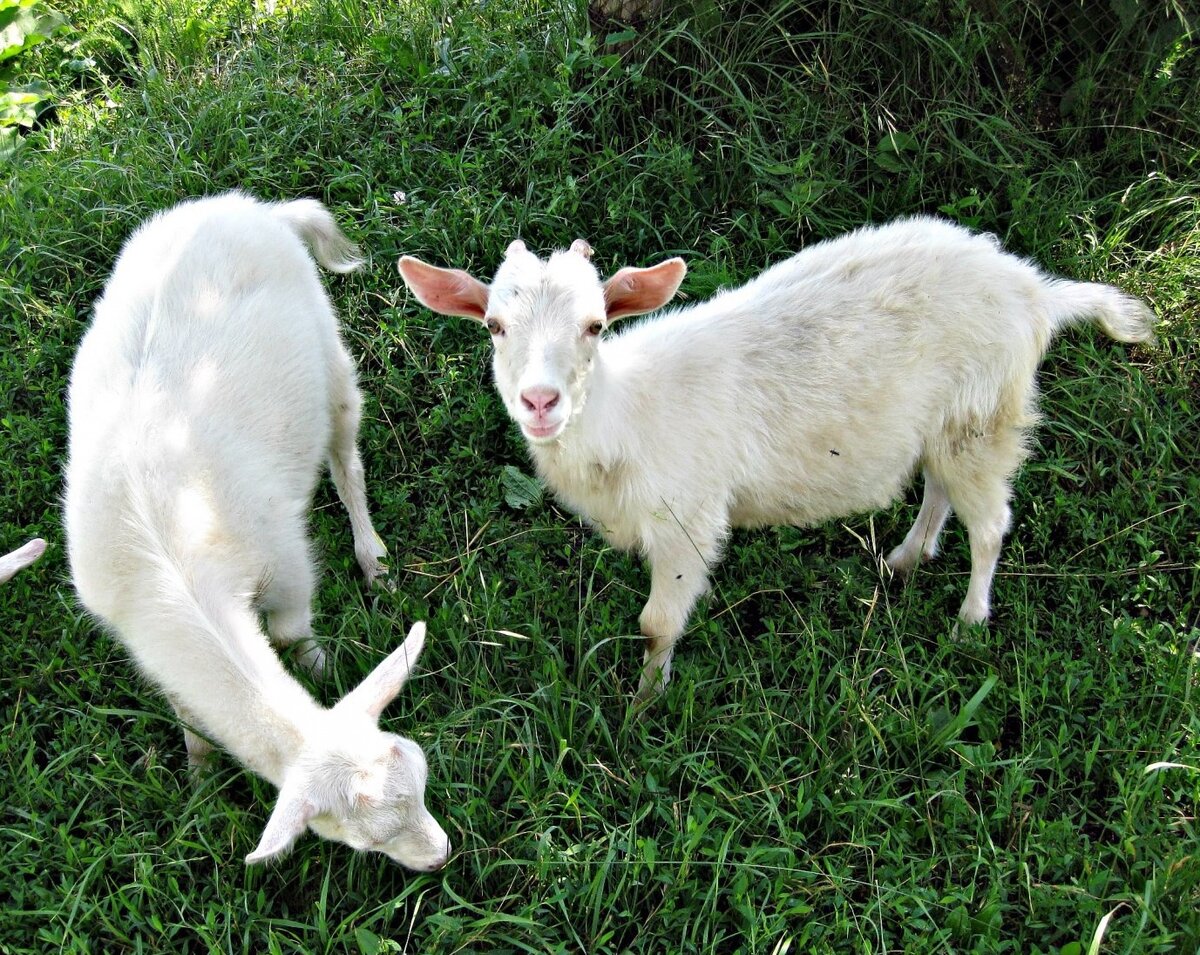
(540, 400)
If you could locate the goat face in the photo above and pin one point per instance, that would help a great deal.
(379, 806)
(545, 318)
(369, 794)
(355, 784)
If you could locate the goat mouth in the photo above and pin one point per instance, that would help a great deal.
(541, 432)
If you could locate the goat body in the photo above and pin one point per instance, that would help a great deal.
(205, 397)
(813, 392)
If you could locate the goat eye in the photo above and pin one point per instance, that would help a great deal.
(595, 328)
(494, 326)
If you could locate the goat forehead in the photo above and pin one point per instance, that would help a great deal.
(365, 825)
(411, 770)
(544, 294)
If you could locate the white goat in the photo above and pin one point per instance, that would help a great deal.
(813, 392)
(204, 399)
(22, 557)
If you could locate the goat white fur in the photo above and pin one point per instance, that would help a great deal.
(813, 392)
(204, 399)
(20, 558)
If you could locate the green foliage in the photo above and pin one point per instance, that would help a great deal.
(832, 770)
(23, 25)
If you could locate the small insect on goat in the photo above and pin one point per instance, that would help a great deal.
(813, 392)
(208, 392)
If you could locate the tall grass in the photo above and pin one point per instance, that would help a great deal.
(830, 770)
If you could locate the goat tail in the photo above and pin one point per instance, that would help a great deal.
(1121, 316)
(314, 224)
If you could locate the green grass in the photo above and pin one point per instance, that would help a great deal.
(829, 771)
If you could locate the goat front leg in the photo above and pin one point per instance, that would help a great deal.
(678, 578)
(287, 600)
(198, 748)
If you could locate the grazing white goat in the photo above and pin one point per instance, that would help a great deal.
(20, 558)
(205, 397)
(813, 392)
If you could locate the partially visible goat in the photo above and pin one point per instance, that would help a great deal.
(205, 397)
(812, 392)
(20, 558)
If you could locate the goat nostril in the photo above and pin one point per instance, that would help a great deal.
(540, 400)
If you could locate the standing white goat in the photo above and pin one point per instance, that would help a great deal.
(205, 397)
(813, 392)
(20, 558)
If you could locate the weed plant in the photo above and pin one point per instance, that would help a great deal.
(829, 771)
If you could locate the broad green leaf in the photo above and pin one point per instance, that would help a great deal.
(368, 942)
(24, 27)
(19, 105)
(10, 142)
(520, 490)
(897, 142)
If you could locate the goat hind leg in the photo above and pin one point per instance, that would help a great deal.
(345, 464)
(980, 496)
(921, 542)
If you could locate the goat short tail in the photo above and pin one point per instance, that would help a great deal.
(1123, 317)
(312, 222)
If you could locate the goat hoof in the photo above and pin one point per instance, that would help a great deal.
(964, 628)
(199, 753)
(370, 559)
(642, 706)
(385, 582)
(375, 572)
(903, 562)
(646, 696)
(310, 657)
(198, 766)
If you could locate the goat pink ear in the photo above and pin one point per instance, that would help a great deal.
(288, 820)
(580, 247)
(381, 685)
(445, 291)
(634, 291)
(515, 247)
(21, 557)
